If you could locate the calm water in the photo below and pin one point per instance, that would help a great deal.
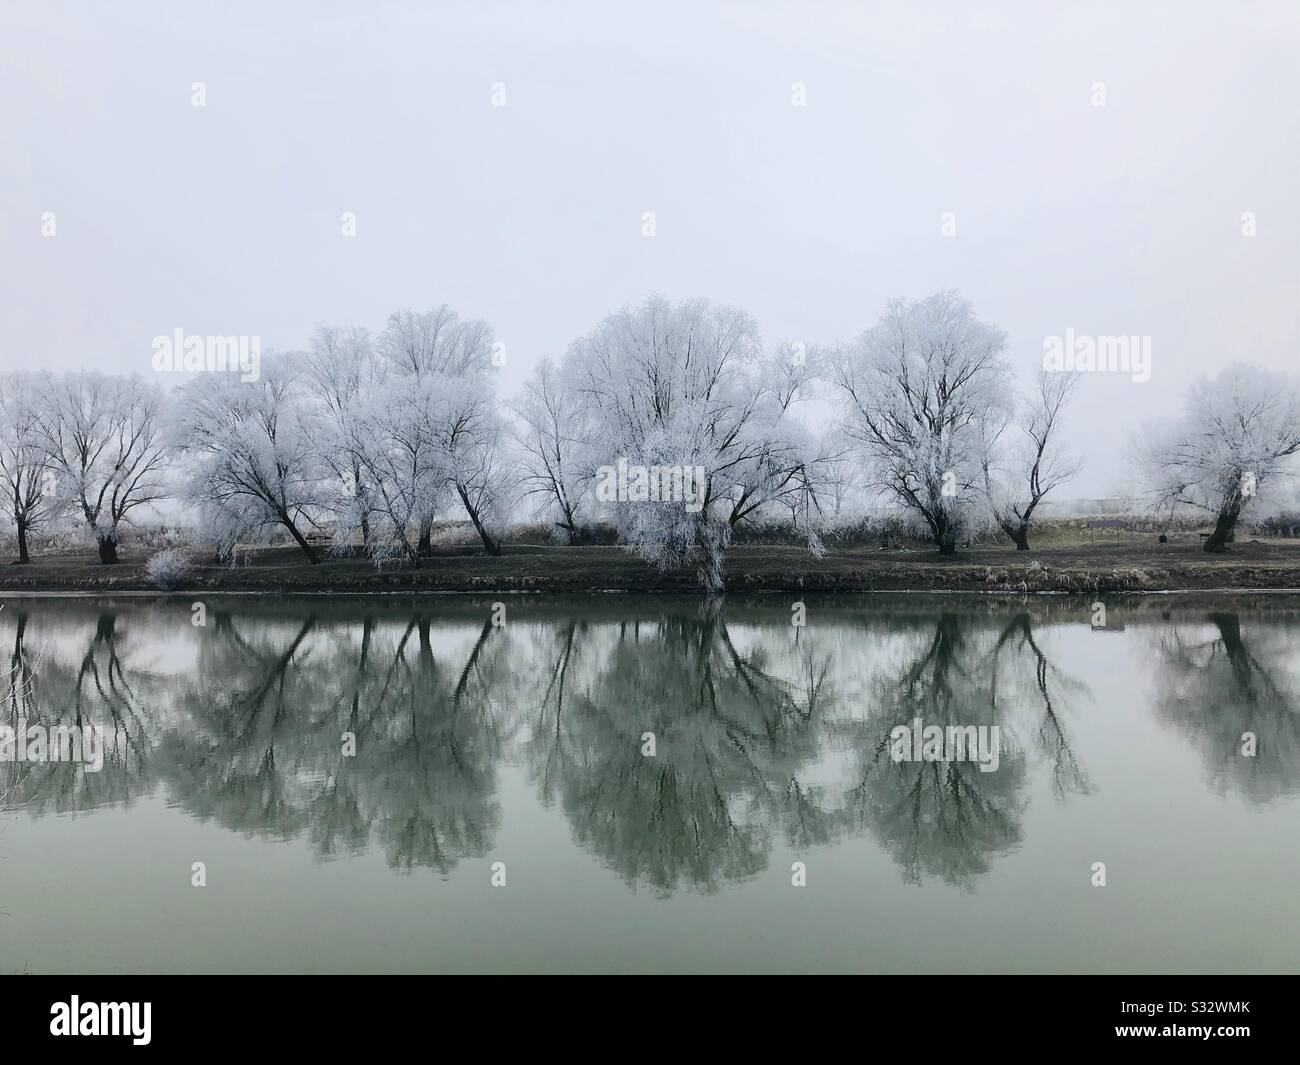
(523, 745)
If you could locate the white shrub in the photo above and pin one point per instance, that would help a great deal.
(168, 569)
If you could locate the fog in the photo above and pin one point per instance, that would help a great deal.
(1093, 165)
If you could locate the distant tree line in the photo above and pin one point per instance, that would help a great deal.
(371, 439)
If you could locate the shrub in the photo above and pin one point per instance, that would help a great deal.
(169, 568)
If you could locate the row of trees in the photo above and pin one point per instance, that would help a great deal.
(372, 438)
(351, 437)
(924, 397)
(927, 416)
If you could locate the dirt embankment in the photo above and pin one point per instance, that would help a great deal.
(524, 568)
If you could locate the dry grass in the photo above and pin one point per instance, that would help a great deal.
(1105, 561)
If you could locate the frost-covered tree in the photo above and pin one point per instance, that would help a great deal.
(251, 456)
(473, 443)
(1022, 458)
(102, 438)
(27, 498)
(1238, 435)
(435, 342)
(780, 464)
(680, 387)
(550, 437)
(438, 352)
(340, 378)
(837, 472)
(229, 526)
(915, 389)
(399, 447)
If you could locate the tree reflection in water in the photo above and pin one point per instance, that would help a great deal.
(940, 818)
(728, 738)
(86, 679)
(1220, 680)
(763, 732)
(267, 752)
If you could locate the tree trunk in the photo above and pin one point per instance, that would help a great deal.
(1222, 530)
(1017, 531)
(108, 550)
(23, 556)
(571, 526)
(491, 546)
(425, 545)
(409, 553)
(945, 534)
(363, 501)
(307, 549)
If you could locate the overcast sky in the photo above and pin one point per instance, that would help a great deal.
(225, 219)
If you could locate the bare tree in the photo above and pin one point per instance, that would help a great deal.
(456, 356)
(1038, 466)
(472, 440)
(399, 446)
(550, 439)
(249, 452)
(778, 463)
(102, 437)
(915, 389)
(25, 498)
(435, 342)
(340, 376)
(1239, 433)
(685, 386)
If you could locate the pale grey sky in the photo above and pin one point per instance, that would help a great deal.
(225, 219)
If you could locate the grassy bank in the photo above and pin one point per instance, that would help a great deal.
(1133, 565)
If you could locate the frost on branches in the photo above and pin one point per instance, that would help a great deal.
(915, 391)
(1236, 439)
(677, 386)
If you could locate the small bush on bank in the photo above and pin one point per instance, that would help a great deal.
(169, 568)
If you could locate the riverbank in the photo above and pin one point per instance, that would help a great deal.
(1106, 567)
